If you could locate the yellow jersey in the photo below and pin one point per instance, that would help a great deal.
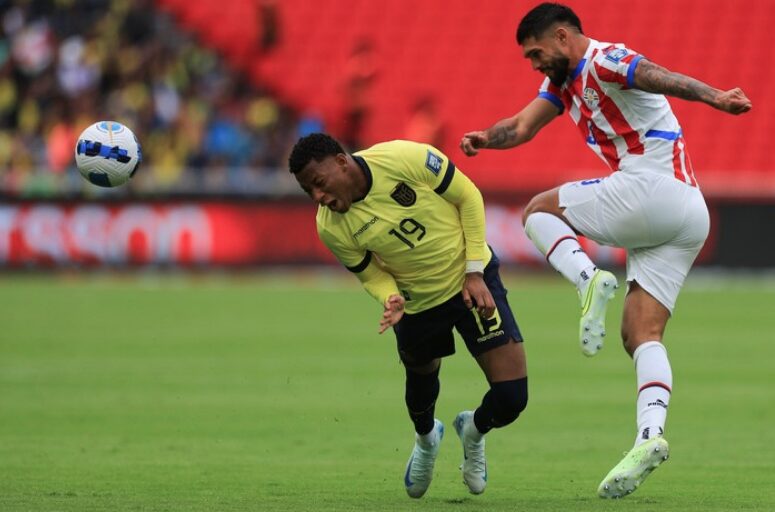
(412, 233)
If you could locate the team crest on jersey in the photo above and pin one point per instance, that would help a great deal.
(616, 54)
(404, 195)
(590, 97)
(433, 162)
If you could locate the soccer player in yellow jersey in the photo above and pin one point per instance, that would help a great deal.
(411, 227)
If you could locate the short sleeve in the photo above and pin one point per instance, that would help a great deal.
(551, 93)
(616, 64)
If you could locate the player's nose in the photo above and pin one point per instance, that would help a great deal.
(317, 195)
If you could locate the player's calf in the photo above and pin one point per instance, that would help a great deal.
(502, 404)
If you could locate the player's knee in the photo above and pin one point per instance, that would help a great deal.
(421, 390)
(533, 206)
(628, 339)
(625, 332)
(510, 399)
(633, 338)
(545, 202)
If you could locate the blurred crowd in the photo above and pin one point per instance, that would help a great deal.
(65, 64)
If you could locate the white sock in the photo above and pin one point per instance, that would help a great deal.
(430, 439)
(655, 382)
(559, 244)
(470, 431)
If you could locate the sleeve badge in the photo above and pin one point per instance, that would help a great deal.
(433, 162)
(616, 55)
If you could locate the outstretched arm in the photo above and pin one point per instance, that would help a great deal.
(651, 77)
(513, 131)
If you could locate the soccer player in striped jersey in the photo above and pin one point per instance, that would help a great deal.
(651, 204)
(410, 226)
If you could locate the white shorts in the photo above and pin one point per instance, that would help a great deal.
(662, 222)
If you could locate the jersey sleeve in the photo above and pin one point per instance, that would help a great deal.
(616, 64)
(375, 280)
(466, 197)
(552, 94)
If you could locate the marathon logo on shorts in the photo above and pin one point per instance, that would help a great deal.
(490, 336)
(486, 326)
(433, 162)
(616, 55)
(404, 195)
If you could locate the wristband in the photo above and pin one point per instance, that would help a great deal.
(474, 266)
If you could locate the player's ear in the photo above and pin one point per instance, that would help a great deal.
(341, 160)
(561, 35)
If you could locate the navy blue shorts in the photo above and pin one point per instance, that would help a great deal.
(427, 335)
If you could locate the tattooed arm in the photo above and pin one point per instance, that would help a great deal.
(653, 78)
(512, 131)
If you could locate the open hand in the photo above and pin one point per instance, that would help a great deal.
(394, 310)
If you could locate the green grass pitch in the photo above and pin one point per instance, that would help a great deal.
(237, 393)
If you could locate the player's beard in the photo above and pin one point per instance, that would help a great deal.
(558, 71)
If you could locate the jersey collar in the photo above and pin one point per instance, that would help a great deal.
(366, 172)
(582, 62)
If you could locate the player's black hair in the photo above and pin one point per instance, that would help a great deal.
(315, 146)
(542, 17)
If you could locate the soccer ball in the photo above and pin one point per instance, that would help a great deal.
(108, 154)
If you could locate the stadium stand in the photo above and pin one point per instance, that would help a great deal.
(218, 91)
(203, 126)
(217, 112)
(464, 56)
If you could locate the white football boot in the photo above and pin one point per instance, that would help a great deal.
(419, 469)
(474, 465)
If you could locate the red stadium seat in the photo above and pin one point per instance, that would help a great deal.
(466, 58)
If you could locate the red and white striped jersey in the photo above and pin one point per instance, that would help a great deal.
(628, 128)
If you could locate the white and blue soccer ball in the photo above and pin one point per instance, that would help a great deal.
(108, 154)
